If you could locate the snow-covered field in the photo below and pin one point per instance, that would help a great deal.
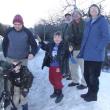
(39, 94)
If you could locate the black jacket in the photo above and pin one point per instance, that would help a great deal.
(23, 79)
(76, 34)
(63, 52)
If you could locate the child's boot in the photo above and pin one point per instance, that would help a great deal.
(59, 96)
(25, 107)
(54, 94)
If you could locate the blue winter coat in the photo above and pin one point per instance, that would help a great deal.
(95, 39)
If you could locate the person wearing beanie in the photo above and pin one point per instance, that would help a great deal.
(19, 45)
(18, 40)
(18, 18)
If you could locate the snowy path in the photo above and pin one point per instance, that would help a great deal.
(41, 90)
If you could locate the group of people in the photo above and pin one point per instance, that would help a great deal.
(77, 52)
(80, 44)
(89, 39)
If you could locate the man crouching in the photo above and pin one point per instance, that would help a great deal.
(21, 80)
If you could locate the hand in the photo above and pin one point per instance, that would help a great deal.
(39, 39)
(70, 48)
(58, 70)
(16, 68)
(45, 42)
(25, 92)
(30, 56)
(80, 55)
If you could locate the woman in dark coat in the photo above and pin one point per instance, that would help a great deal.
(95, 39)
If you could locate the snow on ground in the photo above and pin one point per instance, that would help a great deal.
(39, 94)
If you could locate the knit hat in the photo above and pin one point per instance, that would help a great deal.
(18, 18)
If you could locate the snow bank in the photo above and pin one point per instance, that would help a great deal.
(39, 95)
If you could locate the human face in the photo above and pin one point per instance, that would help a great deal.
(18, 26)
(94, 11)
(68, 18)
(76, 15)
(57, 39)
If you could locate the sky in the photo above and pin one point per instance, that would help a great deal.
(84, 4)
(31, 10)
(34, 10)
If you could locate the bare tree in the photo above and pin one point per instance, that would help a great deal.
(72, 5)
(69, 4)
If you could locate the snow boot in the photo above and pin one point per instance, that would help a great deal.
(73, 84)
(91, 97)
(59, 96)
(25, 107)
(86, 95)
(54, 94)
(13, 109)
(81, 87)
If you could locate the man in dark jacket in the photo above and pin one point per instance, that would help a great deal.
(76, 31)
(21, 80)
(65, 27)
(65, 37)
(19, 45)
(18, 42)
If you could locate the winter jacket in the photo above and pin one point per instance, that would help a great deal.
(18, 44)
(65, 31)
(95, 39)
(63, 53)
(76, 33)
(23, 79)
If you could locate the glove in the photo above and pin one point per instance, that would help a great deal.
(73, 61)
(79, 55)
(39, 39)
(70, 48)
(25, 92)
